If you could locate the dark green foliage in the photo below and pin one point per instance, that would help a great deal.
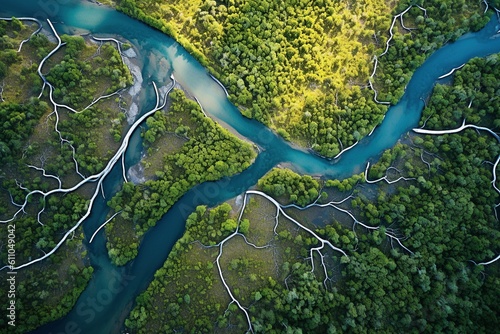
(18, 122)
(449, 210)
(3, 69)
(295, 188)
(478, 82)
(210, 154)
(122, 245)
(209, 227)
(42, 44)
(46, 293)
(72, 76)
(346, 184)
(446, 21)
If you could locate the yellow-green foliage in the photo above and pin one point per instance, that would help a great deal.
(210, 154)
(288, 63)
(302, 67)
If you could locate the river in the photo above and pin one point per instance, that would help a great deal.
(109, 297)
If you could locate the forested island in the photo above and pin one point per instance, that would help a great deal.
(45, 146)
(308, 70)
(408, 234)
(410, 244)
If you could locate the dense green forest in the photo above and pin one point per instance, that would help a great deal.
(30, 149)
(443, 214)
(45, 148)
(203, 151)
(304, 68)
(290, 186)
(410, 251)
(80, 64)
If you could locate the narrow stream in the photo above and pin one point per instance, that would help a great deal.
(109, 297)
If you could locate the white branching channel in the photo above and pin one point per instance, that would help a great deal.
(345, 149)
(487, 6)
(489, 262)
(387, 44)
(201, 107)
(99, 177)
(495, 164)
(451, 72)
(394, 19)
(391, 233)
(220, 84)
(31, 19)
(385, 177)
(324, 244)
(103, 224)
(219, 268)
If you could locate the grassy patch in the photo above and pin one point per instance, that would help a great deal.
(49, 289)
(261, 214)
(154, 160)
(120, 240)
(188, 288)
(82, 71)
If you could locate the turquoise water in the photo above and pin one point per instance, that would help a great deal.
(108, 299)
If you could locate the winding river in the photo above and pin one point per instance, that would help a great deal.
(109, 297)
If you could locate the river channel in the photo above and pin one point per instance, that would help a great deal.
(117, 288)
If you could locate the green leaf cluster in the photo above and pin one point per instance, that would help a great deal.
(292, 187)
(302, 68)
(82, 76)
(209, 154)
(18, 122)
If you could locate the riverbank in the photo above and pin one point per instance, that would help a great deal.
(205, 152)
(135, 64)
(294, 98)
(49, 172)
(149, 256)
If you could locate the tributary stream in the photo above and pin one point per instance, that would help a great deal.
(109, 297)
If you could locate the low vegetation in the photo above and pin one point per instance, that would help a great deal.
(209, 153)
(31, 149)
(418, 249)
